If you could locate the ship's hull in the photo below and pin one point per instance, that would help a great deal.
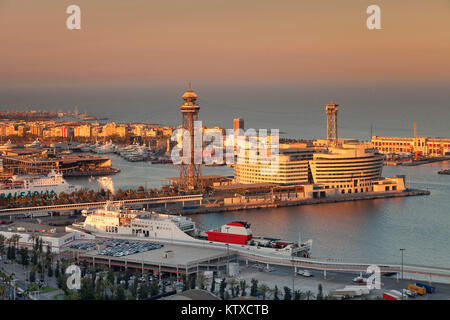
(189, 241)
(37, 191)
(228, 238)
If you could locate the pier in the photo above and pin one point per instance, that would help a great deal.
(200, 203)
(215, 255)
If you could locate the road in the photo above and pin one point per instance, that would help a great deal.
(282, 276)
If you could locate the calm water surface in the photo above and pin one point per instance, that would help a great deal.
(367, 231)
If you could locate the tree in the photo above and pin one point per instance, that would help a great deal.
(232, 282)
(24, 259)
(254, 288)
(309, 295)
(100, 288)
(49, 271)
(201, 281)
(213, 284)
(244, 286)
(57, 269)
(263, 289)
(154, 289)
(287, 293)
(133, 289)
(275, 293)
(320, 292)
(87, 290)
(223, 285)
(120, 293)
(143, 291)
(2, 244)
(33, 275)
(299, 295)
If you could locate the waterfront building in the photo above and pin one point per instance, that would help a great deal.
(424, 146)
(31, 163)
(349, 168)
(83, 131)
(238, 123)
(293, 166)
(54, 237)
(333, 165)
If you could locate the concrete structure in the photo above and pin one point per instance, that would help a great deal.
(55, 237)
(190, 172)
(332, 110)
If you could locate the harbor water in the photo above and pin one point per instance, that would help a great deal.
(364, 231)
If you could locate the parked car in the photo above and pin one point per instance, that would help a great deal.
(409, 293)
(360, 280)
(305, 273)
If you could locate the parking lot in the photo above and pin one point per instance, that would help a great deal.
(116, 247)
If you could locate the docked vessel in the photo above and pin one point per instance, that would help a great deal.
(23, 186)
(118, 222)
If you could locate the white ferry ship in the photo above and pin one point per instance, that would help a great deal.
(22, 186)
(115, 221)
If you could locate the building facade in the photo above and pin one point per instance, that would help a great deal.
(424, 146)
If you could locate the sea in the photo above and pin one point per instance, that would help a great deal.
(370, 231)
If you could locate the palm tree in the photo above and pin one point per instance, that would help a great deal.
(2, 244)
(232, 283)
(243, 285)
(309, 295)
(201, 281)
(263, 289)
(3, 290)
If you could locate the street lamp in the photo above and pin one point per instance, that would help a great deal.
(228, 249)
(401, 250)
(293, 274)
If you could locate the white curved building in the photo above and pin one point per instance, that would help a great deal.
(350, 168)
(292, 169)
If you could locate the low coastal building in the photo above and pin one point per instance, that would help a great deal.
(54, 237)
(423, 146)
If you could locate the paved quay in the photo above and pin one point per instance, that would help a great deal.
(282, 276)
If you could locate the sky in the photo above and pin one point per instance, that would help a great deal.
(232, 42)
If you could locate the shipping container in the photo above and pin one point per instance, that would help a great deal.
(190, 208)
(419, 290)
(429, 289)
(390, 296)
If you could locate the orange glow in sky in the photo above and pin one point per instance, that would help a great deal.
(232, 41)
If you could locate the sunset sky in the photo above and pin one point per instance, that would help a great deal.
(145, 42)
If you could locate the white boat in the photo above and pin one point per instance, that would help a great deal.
(115, 221)
(85, 147)
(22, 186)
(35, 144)
(106, 148)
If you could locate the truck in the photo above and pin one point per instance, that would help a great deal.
(429, 289)
(360, 289)
(420, 290)
(342, 293)
(390, 295)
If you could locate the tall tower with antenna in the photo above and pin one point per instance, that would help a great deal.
(332, 134)
(190, 172)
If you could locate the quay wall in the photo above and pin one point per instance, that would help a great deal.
(270, 204)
